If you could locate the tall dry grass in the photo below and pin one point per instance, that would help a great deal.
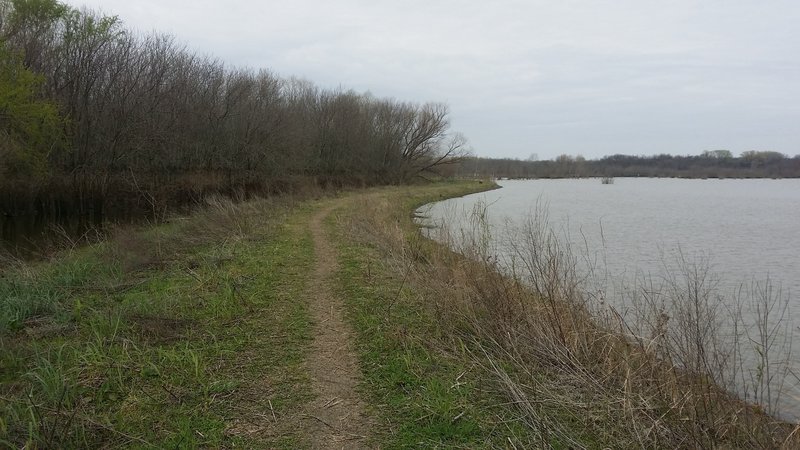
(219, 220)
(669, 371)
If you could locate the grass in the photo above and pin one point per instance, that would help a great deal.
(424, 397)
(420, 378)
(540, 368)
(193, 334)
(184, 335)
(196, 334)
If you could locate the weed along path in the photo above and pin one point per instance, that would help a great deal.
(337, 417)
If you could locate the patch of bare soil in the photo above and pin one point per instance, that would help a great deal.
(338, 417)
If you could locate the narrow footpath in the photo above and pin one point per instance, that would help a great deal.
(337, 417)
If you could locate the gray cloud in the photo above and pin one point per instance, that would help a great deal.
(588, 77)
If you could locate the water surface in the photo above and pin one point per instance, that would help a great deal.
(747, 230)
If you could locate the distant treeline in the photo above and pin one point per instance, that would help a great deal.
(89, 109)
(710, 164)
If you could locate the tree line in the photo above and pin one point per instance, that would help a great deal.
(709, 164)
(89, 108)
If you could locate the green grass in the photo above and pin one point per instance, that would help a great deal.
(431, 329)
(182, 353)
(418, 377)
(193, 334)
(412, 386)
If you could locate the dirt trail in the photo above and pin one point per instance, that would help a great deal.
(337, 418)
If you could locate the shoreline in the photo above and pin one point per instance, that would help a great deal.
(185, 333)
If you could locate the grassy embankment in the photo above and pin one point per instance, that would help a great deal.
(181, 335)
(457, 353)
(420, 378)
(195, 334)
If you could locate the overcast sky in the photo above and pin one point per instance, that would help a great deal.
(590, 77)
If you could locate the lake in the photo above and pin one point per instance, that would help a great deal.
(744, 231)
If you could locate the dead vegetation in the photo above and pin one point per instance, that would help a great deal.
(579, 373)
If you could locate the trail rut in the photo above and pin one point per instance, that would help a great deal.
(337, 418)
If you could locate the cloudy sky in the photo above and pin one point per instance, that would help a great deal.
(590, 77)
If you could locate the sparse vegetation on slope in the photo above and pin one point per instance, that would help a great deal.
(420, 379)
(571, 377)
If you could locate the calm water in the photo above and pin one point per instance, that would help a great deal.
(748, 229)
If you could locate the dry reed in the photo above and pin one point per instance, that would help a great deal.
(579, 372)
